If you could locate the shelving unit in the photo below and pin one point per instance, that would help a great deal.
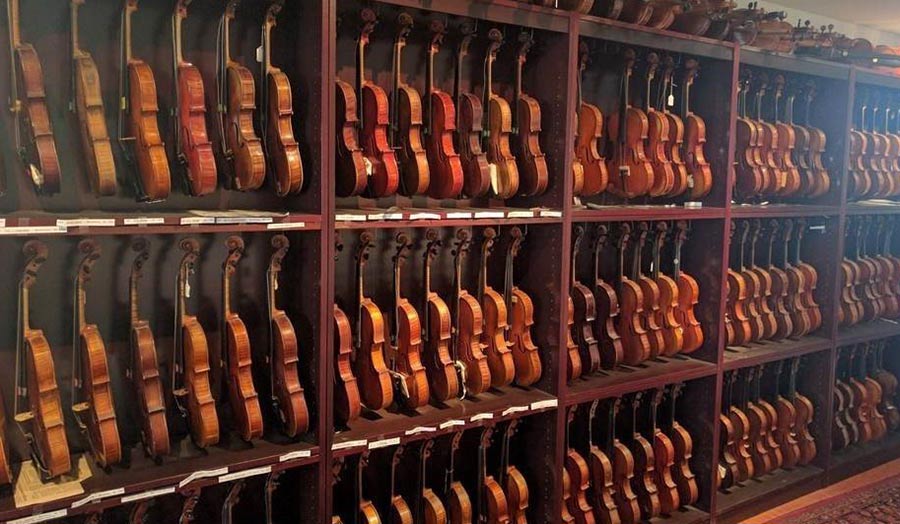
(316, 465)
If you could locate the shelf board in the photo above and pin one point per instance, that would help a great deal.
(688, 515)
(795, 64)
(756, 354)
(623, 213)
(144, 475)
(860, 457)
(626, 379)
(873, 207)
(463, 217)
(500, 11)
(767, 491)
(782, 210)
(865, 75)
(630, 34)
(388, 428)
(875, 330)
(99, 223)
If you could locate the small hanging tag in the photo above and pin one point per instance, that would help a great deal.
(670, 101)
(259, 54)
(275, 286)
(624, 171)
(690, 181)
(187, 289)
(370, 169)
(495, 183)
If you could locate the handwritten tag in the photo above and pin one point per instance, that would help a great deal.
(459, 215)
(87, 222)
(202, 474)
(281, 226)
(349, 217)
(197, 221)
(544, 404)
(384, 443)
(481, 416)
(551, 213)
(100, 495)
(452, 422)
(151, 494)
(253, 472)
(420, 429)
(43, 517)
(514, 409)
(337, 446)
(294, 455)
(520, 214)
(144, 221)
(489, 214)
(33, 230)
(424, 216)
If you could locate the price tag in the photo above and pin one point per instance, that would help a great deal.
(202, 474)
(424, 216)
(87, 222)
(153, 493)
(451, 423)
(349, 217)
(420, 429)
(197, 221)
(393, 216)
(693, 205)
(489, 214)
(243, 220)
(520, 214)
(459, 215)
(544, 404)
(375, 216)
(144, 221)
(294, 455)
(514, 409)
(33, 230)
(100, 495)
(337, 446)
(551, 213)
(2, 222)
(253, 472)
(384, 443)
(281, 226)
(481, 416)
(43, 517)
(259, 54)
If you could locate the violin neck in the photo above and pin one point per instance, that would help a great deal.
(273, 285)
(676, 265)
(126, 23)
(267, 41)
(360, 73)
(508, 276)
(611, 428)
(482, 270)
(636, 257)
(80, 301)
(226, 290)
(489, 77)
(15, 37)
(429, 84)
(178, 21)
(76, 47)
(226, 37)
(654, 409)
(134, 297)
(686, 98)
(657, 247)
(395, 100)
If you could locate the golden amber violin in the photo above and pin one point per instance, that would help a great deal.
(437, 333)
(431, 509)
(469, 322)
(623, 468)
(685, 480)
(371, 370)
(589, 136)
(512, 480)
(635, 341)
(347, 405)
(406, 338)
(493, 505)
(695, 138)
(352, 169)
(631, 172)
(533, 171)
(494, 309)
(651, 318)
(407, 120)
(672, 330)
(657, 136)
(459, 505)
(526, 354)
(500, 126)
(400, 512)
(367, 514)
(601, 468)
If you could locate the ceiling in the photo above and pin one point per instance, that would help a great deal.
(880, 14)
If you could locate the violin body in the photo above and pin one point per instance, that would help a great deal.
(478, 373)
(434, 510)
(95, 141)
(685, 480)
(148, 384)
(585, 309)
(805, 411)
(580, 479)
(574, 366)
(476, 170)
(493, 338)
(587, 149)
(149, 150)
(658, 144)
(240, 135)
(623, 473)
(409, 355)
(30, 77)
(352, 173)
(347, 405)
(412, 157)
(516, 495)
(495, 502)
(741, 450)
(204, 421)
(695, 158)
(533, 171)
(688, 296)
(446, 165)
(400, 511)
(49, 424)
(499, 150)
(96, 390)
(737, 298)
(632, 173)
(385, 178)
(367, 513)
(372, 372)
(444, 380)
(281, 144)
(785, 433)
(728, 470)
(601, 469)
(291, 399)
(459, 504)
(524, 351)
(676, 146)
(635, 340)
(763, 461)
(664, 455)
(198, 153)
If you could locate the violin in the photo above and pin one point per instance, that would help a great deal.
(851, 309)
(231, 500)
(627, 132)
(375, 118)
(780, 299)
(683, 444)
(277, 114)
(533, 171)
(193, 148)
(400, 512)
(817, 147)
(752, 174)
(623, 468)
(513, 481)
(797, 287)
(585, 313)
(137, 90)
(688, 296)
(346, 390)
(88, 106)
(786, 432)
(566, 516)
(446, 165)
(470, 120)
(676, 131)
(493, 337)
(848, 415)
(270, 486)
(372, 372)
(805, 412)
(237, 97)
(574, 366)
(753, 285)
(810, 278)
(43, 423)
(459, 505)
(367, 514)
(694, 138)
(768, 144)
(801, 153)
(39, 156)
(407, 120)
(607, 302)
(727, 468)
(352, 167)
(190, 359)
(431, 510)
(859, 181)
(635, 340)
(672, 331)
(775, 450)
(644, 466)
(785, 144)
(759, 424)
(737, 304)
(437, 332)
(500, 126)
(287, 393)
(888, 383)
(601, 469)
(650, 291)
(841, 435)
(589, 136)
(664, 455)
(657, 136)
(745, 443)
(467, 348)
(406, 339)
(875, 394)
(525, 353)
(493, 508)
(766, 313)
(92, 398)
(861, 407)
(144, 365)
(580, 476)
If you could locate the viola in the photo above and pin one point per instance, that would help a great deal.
(237, 95)
(635, 341)
(406, 338)
(840, 431)
(238, 355)
(88, 106)
(664, 455)
(39, 157)
(657, 136)
(375, 117)
(500, 126)
(784, 324)
(137, 89)
(607, 302)
(601, 469)
(589, 136)
(400, 511)
(737, 304)
(493, 506)
(446, 166)
(753, 285)
(366, 512)
(694, 138)
(672, 331)
(764, 306)
(494, 308)
(786, 432)
(533, 171)
(143, 370)
(688, 296)
(886, 271)
(43, 423)
(651, 319)
(623, 469)
(525, 353)
(580, 476)
(684, 478)
(470, 120)
(431, 509)
(805, 411)
(407, 120)
(633, 174)
(785, 145)
(514, 483)
(190, 359)
(468, 321)
(876, 303)
(374, 378)
(277, 114)
(585, 313)
(676, 131)
(459, 505)
(352, 166)
(346, 390)
(437, 333)
(193, 148)
(287, 393)
(92, 399)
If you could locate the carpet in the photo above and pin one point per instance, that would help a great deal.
(877, 503)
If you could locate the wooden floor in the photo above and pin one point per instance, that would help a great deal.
(863, 479)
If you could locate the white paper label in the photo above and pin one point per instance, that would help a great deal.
(152, 494)
(693, 205)
(259, 54)
(264, 470)
(458, 215)
(544, 404)
(551, 213)
(43, 517)
(144, 221)
(243, 220)
(2, 222)
(393, 216)
(337, 446)
(420, 429)
(384, 443)
(452, 422)
(32, 230)
(197, 221)
(294, 455)
(514, 409)
(100, 495)
(481, 416)
(281, 226)
(424, 216)
(197, 475)
(520, 214)
(489, 214)
(87, 222)
(349, 217)
(375, 216)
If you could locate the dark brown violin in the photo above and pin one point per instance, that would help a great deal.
(470, 119)
(287, 393)
(737, 303)
(775, 451)
(684, 478)
(751, 172)
(407, 121)
(727, 467)
(784, 146)
(580, 476)
(366, 512)
(775, 182)
(635, 341)
(533, 171)
(468, 322)
(672, 332)
(493, 508)
(585, 309)
(817, 144)
(406, 338)
(526, 354)
(664, 455)
(644, 465)
(694, 138)
(743, 439)
(786, 432)
(797, 286)
(759, 424)
(437, 332)
(500, 126)
(352, 170)
(589, 136)
(459, 505)
(632, 174)
(888, 383)
(611, 349)
(780, 299)
(764, 305)
(493, 306)
(374, 378)
(753, 285)
(688, 296)
(440, 125)
(801, 152)
(810, 278)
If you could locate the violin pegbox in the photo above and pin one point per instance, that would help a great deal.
(91, 251)
(280, 246)
(36, 252)
(235, 245)
(518, 236)
(365, 245)
(433, 244)
(403, 246)
(463, 239)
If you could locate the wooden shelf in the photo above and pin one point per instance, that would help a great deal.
(873, 207)
(794, 64)
(756, 354)
(767, 491)
(627, 379)
(782, 210)
(688, 515)
(463, 217)
(860, 457)
(873, 77)
(877, 329)
(624, 213)
(389, 428)
(500, 11)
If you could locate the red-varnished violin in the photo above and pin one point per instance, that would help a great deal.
(407, 121)
(470, 119)
(533, 172)
(494, 308)
(440, 124)
(468, 322)
(406, 338)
